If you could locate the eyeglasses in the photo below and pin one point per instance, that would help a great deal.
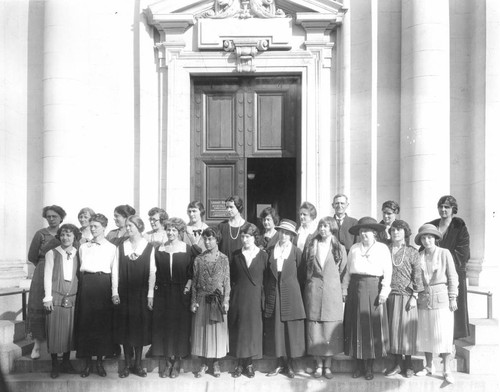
(154, 220)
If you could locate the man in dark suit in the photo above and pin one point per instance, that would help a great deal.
(340, 204)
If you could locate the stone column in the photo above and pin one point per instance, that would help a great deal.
(64, 101)
(317, 163)
(425, 108)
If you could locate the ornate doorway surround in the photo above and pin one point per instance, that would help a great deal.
(224, 37)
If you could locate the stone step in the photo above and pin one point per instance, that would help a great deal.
(483, 331)
(479, 359)
(41, 382)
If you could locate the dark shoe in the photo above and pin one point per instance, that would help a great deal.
(124, 373)
(174, 373)
(357, 373)
(275, 372)
(409, 373)
(165, 368)
(139, 371)
(318, 372)
(216, 372)
(67, 367)
(250, 372)
(201, 372)
(54, 373)
(394, 371)
(86, 371)
(289, 372)
(100, 369)
(369, 375)
(237, 372)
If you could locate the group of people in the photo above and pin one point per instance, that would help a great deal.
(320, 288)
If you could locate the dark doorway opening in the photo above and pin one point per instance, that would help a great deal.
(271, 182)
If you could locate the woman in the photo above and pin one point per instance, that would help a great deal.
(121, 213)
(195, 226)
(389, 211)
(98, 283)
(84, 219)
(210, 303)
(269, 218)
(284, 311)
(366, 286)
(406, 283)
(307, 215)
(231, 229)
(132, 312)
(245, 314)
(43, 240)
(157, 218)
(437, 302)
(324, 260)
(456, 240)
(60, 285)
(171, 315)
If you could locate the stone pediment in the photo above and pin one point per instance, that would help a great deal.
(244, 27)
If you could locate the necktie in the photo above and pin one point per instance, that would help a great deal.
(69, 255)
(197, 232)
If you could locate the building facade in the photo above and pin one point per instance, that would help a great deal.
(159, 103)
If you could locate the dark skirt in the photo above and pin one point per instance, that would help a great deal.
(94, 322)
(132, 318)
(35, 323)
(461, 328)
(366, 328)
(171, 321)
(283, 338)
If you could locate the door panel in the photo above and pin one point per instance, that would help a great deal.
(234, 119)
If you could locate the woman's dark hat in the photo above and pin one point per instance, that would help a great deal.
(366, 223)
(428, 228)
(288, 225)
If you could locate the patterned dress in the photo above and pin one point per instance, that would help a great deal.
(406, 280)
(209, 337)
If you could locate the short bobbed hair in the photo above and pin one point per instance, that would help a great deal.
(87, 210)
(250, 229)
(162, 214)
(238, 202)
(392, 205)
(100, 218)
(451, 201)
(137, 222)
(309, 207)
(176, 223)
(125, 210)
(58, 210)
(212, 232)
(270, 211)
(330, 222)
(70, 228)
(198, 204)
(401, 224)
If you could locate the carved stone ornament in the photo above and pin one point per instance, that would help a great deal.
(244, 9)
(245, 51)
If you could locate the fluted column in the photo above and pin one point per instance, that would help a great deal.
(425, 108)
(64, 99)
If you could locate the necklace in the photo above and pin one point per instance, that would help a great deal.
(231, 231)
(402, 259)
(366, 254)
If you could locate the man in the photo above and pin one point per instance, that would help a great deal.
(340, 204)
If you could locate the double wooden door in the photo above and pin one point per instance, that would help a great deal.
(235, 119)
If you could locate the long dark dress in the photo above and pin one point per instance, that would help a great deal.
(456, 240)
(245, 306)
(42, 242)
(171, 314)
(284, 314)
(132, 318)
(229, 243)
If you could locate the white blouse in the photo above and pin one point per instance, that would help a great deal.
(281, 253)
(67, 266)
